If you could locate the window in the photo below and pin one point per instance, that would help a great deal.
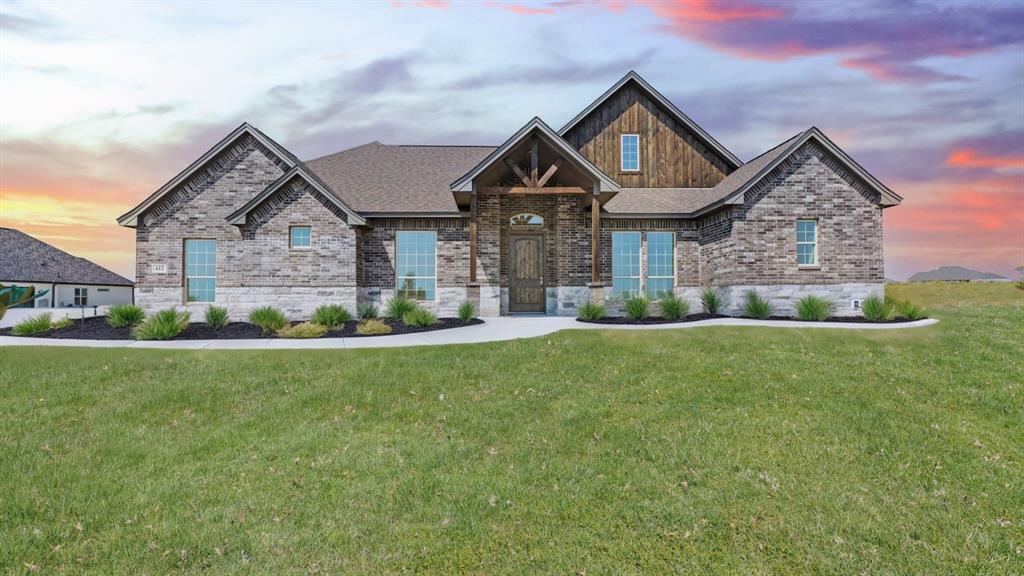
(200, 270)
(526, 220)
(807, 242)
(298, 237)
(81, 296)
(660, 264)
(630, 152)
(416, 253)
(625, 264)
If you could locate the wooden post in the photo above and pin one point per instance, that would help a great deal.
(472, 236)
(534, 160)
(595, 238)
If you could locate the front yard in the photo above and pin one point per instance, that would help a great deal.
(713, 450)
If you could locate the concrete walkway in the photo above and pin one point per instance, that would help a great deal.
(493, 329)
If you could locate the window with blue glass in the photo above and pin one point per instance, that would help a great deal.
(807, 242)
(416, 264)
(200, 270)
(299, 237)
(661, 278)
(625, 264)
(630, 152)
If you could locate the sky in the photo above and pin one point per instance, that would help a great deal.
(102, 103)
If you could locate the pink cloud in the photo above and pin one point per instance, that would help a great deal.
(971, 158)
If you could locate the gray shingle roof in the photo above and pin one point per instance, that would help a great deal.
(659, 201)
(25, 259)
(377, 177)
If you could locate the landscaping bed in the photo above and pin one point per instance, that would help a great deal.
(97, 329)
(625, 320)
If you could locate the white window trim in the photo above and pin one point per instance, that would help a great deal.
(84, 296)
(434, 277)
(622, 149)
(292, 246)
(815, 264)
(639, 270)
(188, 277)
(647, 258)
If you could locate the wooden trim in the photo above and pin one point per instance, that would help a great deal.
(549, 173)
(526, 190)
(595, 238)
(472, 238)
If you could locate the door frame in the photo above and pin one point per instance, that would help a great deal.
(542, 266)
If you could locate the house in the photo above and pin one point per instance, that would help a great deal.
(70, 280)
(956, 274)
(629, 197)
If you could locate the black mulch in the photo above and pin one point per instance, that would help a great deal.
(703, 316)
(98, 329)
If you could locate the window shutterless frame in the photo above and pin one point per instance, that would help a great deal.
(661, 268)
(416, 264)
(299, 237)
(81, 296)
(626, 281)
(200, 270)
(629, 152)
(807, 243)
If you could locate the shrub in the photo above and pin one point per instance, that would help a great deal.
(592, 311)
(467, 311)
(163, 325)
(33, 325)
(372, 327)
(419, 317)
(399, 306)
(268, 318)
(673, 307)
(303, 330)
(62, 323)
(216, 317)
(331, 316)
(637, 307)
(125, 315)
(876, 310)
(367, 310)
(756, 307)
(711, 301)
(910, 311)
(814, 308)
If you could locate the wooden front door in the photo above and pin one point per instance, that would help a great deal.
(526, 273)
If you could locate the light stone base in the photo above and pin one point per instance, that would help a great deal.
(445, 305)
(784, 296)
(297, 303)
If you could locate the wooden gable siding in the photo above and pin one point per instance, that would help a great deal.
(670, 155)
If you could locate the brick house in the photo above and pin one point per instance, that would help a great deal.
(630, 197)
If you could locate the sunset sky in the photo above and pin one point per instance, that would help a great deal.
(103, 103)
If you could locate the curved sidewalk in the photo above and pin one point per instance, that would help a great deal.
(492, 330)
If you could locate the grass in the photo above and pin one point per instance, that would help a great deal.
(702, 451)
(956, 294)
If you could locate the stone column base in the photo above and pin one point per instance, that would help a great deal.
(473, 296)
(596, 292)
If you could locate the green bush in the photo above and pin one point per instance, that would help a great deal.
(332, 316)
(303, 330)
(711, 301)
(637, 307)
(62, 323)
(814, 308)
(467, 311)
(419, 317)
(367, 311)
(756, 307)
(399, 306)
(592, 311)
(268, 318)
(124, 315)
(372, 327)
(216, 317)
(163, 325)
(33, 325)
(673, 307)
(876, 309)
(910, 311)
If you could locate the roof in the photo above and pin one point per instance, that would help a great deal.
(464, 183)
(665, 103)
(301, 172)
(26, 259)
(376, 178)
(954, 273)
(659, 201)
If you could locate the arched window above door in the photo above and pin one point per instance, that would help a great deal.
(526, 220)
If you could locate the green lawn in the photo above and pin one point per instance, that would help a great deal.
(701, 451)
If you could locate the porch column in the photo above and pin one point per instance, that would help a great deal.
(473, 287)
(596, 287)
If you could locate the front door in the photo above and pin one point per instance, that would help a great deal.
(526, 273)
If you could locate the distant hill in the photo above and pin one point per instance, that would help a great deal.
(956, 274)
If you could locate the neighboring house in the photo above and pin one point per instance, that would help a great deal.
(956, 274)
(630, 197)
(71, 281)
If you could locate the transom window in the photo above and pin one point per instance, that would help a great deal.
(807, 242)
(625, 264)
(526, 220)
(630, 152)
(299, 237)
(81, 296)
(416, 266)
(661, 276)
(200, 270)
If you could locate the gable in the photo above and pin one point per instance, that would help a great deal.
(674, 151)
(291, 185)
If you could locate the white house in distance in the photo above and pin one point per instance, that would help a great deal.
(71, 281)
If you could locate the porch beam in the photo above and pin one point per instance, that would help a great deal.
(550, 172)
(528, 190)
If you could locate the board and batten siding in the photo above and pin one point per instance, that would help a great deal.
(670, 155)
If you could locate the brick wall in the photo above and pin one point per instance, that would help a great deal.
(377, 245)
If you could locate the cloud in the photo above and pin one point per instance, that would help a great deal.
(21, 25)
(554, 74)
